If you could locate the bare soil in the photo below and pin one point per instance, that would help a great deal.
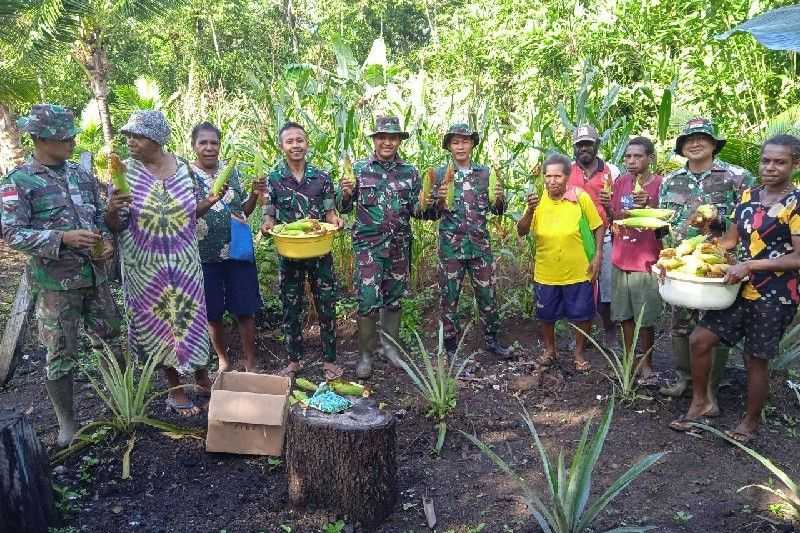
(177, 487)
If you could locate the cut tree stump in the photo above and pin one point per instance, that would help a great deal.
(343, 462)
(15, 328)
(26, 497)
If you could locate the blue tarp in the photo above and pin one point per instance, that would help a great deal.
(778, 29)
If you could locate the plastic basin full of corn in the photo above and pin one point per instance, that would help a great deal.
(305, 246)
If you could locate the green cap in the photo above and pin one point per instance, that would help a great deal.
(388, 124)
(460, 128)
(699, 125)
(49, 121)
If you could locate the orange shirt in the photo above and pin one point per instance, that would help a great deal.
(604, 173)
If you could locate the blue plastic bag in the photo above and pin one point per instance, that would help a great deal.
(241, 247)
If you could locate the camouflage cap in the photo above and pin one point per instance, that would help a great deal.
(150, 124)
(460, 128)
(49, 121)
(585, 133)
(388, 124)
(699, 125)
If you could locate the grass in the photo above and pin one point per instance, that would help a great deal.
(570, 488)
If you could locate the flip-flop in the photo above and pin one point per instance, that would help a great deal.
(288, 373)
(684, 424)
(331, 374)
(178, 408)
(545, 361)
(740, 437)
(583, 366)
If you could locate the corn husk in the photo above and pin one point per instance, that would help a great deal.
(117, 171)
(223, 177)
(663, 214)
(449, 180)
(643, 223)
(428, 183)
(494, 178)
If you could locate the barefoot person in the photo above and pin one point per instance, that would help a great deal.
(299, 190)
(563, 274)
(53, 212)
(634, 252)
(464, 245)
(161, 271)
(229, 285)
(767, 224)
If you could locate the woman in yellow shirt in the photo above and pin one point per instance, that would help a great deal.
(563, 275)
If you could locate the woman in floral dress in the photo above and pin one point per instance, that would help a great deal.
(162, 277)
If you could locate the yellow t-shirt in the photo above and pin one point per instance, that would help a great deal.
(560, 257)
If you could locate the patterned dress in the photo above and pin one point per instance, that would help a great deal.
(162, 277)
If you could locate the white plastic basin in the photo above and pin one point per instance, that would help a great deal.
(685, 290)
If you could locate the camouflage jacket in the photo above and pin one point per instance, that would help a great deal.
(683, 191)
(290, 200)
(462, 231)
(385, 197)
(38, 206)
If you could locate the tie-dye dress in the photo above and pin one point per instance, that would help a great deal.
(161, 272)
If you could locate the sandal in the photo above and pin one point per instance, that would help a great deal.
(740, 436)
(684, 424)
(583, 366)
(546, 360)
(291, 370)
(185, 409)
(332, 371)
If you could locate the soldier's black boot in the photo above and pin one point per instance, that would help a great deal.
(367, 343)
(390, 324)
(493, 346)
(60, 392)
(451, 346)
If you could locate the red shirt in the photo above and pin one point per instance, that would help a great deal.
(603, 173)
(634, 250)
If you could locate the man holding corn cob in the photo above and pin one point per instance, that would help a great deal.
(473, 192)
(298, 190)
(385, 194)
(52, 211)
(704, 181)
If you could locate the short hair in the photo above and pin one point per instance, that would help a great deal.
(644, 142)
(558, 159)
(784, 139)
(290, 126)
(205, 126)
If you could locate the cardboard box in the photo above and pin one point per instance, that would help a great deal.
(247, 413)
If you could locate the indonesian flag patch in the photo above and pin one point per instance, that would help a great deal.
(9, 193)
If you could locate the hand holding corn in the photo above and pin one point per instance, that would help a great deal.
(640, 199)
(533, 201)
(346, 186)
(605, 198)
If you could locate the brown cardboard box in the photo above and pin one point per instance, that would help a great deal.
(247, 413)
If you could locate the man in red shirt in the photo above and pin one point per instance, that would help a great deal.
(594, 176)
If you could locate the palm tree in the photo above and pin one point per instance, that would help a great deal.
(15, 88)
(83, 25)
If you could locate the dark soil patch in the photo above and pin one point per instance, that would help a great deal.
(178, 487)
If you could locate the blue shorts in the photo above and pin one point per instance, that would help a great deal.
(231, 286)
(574, 302)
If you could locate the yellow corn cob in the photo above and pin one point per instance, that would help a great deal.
(117, 170)
(427, 186)
(687, 246)
(304, 224)
(663, 214)
(449, 180)
(638, 187)
(712, 259)
(223, 177)
(305, 384)
(642, 223)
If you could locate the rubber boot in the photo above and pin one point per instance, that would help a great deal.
(390, 324)
(494, 346)
(681, 358)
(367, 342)
(719, 360)
(451, 346)
(60, 392)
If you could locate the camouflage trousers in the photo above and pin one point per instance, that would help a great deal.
(451, 277)
(59, 315)
(293, 274)
(381, 281)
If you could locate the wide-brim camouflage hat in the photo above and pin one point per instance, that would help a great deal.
(150, 124)
(388, 124)
(699, 125)
(49, 121)
(460, 128)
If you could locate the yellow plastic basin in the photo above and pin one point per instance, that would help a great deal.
(301, 247)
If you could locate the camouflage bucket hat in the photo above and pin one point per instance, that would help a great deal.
(460, 128)
(49, 121)
(150, 124)
(389, 125)
(699, 125)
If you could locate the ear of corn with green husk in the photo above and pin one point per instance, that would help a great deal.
(642, 223)
(348, 388)
(494, 177)
(428, 183)
(449, 180)
(663, 214)
(687, 246)
(117, 170)
(347, 169)
(223, 177)
(305, 384)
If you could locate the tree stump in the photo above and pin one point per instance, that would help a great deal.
(26, 497)
(343, 462)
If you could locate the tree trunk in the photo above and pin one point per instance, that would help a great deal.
(11, 152)
(26, 505)
(92, 56)
(344, 463)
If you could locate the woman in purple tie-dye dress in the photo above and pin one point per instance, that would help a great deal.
(162, 276)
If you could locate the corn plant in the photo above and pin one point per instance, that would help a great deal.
(570, 489)
(789, 495)
(624, 365)
(436, 379)
(128, 396)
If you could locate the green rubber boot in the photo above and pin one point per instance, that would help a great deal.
(681, 359)
(719, 360)
(367, 343)
(60, 392)
(390, 324)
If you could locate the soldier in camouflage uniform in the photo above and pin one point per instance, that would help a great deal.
(52, 211)
(298, 190)
(385, 196)
(704, 180)
(464, 239)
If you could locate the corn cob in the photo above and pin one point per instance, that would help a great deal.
(449, 180)
(427, 186)
(347, 388)
(663, 214)
(117, 170)
(669, 263)
(642, 223)
(638, 187)
(493, 179)
(304, 224)
(347, 170)
(305, 384)
(300, 396)
(687, 246)
(223, 177)
(712, 259)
